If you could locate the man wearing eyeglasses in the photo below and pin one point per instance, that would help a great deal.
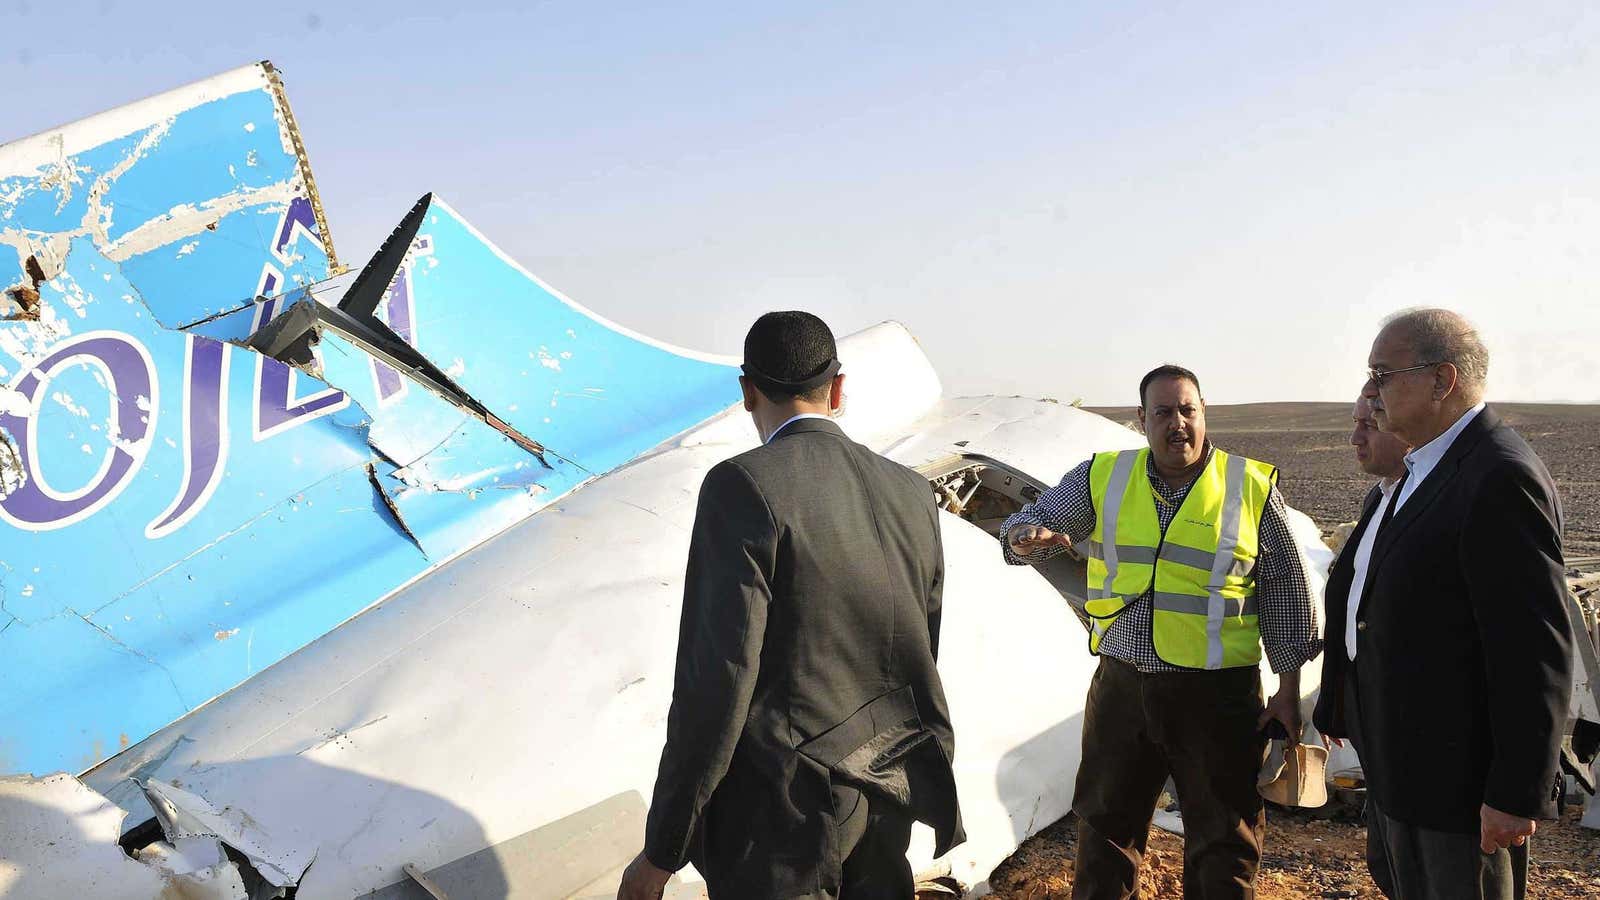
(1460, 668)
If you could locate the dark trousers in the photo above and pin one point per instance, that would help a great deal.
(872, 836)
(873, 841)
(1411, 863)
(1200, 729)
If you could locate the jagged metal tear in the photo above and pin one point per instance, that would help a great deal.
(293, 336)
(184, 815)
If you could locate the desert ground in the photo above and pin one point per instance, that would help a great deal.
(1309, 854)
(1310, 445)
(1320, 853)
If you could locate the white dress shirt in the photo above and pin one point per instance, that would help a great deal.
(1425, 459)
(1358, 581)
(791, 420)
(1419, 464)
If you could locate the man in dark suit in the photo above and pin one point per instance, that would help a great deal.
(808, 726)
(1380, 454)
(1455, 691)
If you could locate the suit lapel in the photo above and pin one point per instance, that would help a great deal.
(1370, 506)
(1342, 572)
(1430, 488)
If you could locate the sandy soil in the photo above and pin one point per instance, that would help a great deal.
(1316, 854)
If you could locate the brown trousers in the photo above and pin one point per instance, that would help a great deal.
(1197, 727)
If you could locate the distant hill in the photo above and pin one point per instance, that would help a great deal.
(1312, 416)
(1310, 445)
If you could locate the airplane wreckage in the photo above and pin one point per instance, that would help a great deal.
(335, 583)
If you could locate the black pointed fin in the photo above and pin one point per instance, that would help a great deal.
(361, 300)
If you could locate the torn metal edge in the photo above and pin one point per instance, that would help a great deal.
(291, 336)
(393, 508)
(26, 296)
(223, 314)
(182, 814)
(281, 97)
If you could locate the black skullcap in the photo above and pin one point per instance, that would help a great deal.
(790, 353)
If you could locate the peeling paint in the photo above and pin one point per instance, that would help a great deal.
(191, 219)
(367, 484)
(12, 474)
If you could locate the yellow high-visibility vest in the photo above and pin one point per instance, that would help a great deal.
(1202, 571)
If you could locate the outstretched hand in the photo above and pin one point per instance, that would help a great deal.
(1027, 539)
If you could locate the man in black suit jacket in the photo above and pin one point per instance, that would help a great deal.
(808, 726)
(1457, 693)
(1382, 455)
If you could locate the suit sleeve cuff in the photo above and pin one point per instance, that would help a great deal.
(665, 858)
(1528, 802)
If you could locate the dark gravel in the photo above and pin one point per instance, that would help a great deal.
(1309, 443)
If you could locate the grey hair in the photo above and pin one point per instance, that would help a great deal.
(1442, 335)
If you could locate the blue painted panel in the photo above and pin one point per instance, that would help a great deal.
(60, 197)
(203, 565)
(190, 198)
(178, 512)
(595, 394)
(165, 277)
(215, 150)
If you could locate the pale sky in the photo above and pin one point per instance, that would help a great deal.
(1054, 197)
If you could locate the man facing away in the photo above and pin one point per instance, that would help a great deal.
(1457, 670)
(1192, 569)
(808, 726)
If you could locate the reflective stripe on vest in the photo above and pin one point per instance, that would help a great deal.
(1199, 574)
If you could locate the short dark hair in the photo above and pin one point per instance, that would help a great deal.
(791, 345)
(1167, 371)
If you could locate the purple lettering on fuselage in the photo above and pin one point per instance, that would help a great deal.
(397, 306)
(205, 433)
(131, 379)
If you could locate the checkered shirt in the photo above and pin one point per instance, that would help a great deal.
(1288, 617)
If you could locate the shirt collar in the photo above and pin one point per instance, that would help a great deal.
(1421, 461)
(1150, 463)
(793, 419)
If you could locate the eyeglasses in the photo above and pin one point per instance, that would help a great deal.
(1379, 376)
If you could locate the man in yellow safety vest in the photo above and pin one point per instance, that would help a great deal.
(1192, 570)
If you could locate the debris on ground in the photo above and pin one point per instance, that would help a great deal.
(1318, 853)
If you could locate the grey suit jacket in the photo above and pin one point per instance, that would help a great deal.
(806, 666)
